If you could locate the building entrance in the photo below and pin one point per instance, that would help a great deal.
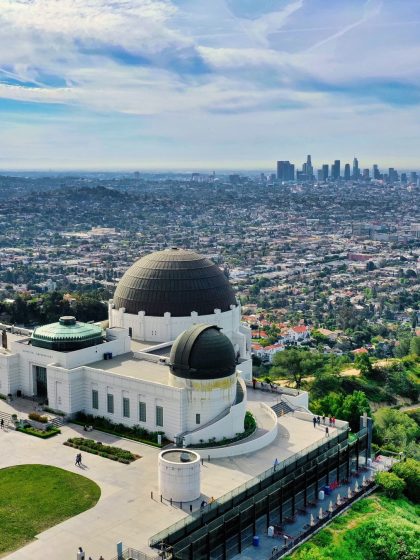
(41, 381)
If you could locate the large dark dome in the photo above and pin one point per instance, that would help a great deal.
(174, 280)
(202, 352)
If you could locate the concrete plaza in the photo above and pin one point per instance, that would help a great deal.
(125, 510)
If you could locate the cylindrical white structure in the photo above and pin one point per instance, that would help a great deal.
(179, 475)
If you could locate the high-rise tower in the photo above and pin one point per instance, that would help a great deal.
(356, 170)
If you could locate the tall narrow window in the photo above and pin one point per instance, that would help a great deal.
(95, 399)
(126, 407)
(110, 403)
(197, 419)
(159, 416)
(142, 411)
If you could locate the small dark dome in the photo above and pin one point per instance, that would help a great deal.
(176, 281)
(202, 352)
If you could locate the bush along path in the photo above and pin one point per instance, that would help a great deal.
(98, 448)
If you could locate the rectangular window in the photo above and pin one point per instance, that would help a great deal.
(95, 399)
(197, 419)
(110, 403)
(142, 411)
(159, 416)
(126, 407)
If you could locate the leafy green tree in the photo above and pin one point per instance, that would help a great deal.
(415, 345)
(353, 407)
(392, 485)
(403, 347)
(296, 363)
(362, 362)
(394, 429)
(409, 471)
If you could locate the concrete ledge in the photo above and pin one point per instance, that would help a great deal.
(248, 445)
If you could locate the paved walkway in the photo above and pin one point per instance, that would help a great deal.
(125, 510)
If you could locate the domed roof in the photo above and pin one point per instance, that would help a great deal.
(174, 280)
(202, 352)
(66, 335)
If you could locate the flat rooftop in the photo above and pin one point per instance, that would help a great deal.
(126, 365)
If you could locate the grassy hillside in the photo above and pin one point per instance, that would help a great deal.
(376, 527)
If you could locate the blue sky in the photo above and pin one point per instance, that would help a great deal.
(208, 84)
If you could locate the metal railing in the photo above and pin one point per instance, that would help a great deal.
(133, 554)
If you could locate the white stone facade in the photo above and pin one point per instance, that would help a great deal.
(165, 329)
(83, 381)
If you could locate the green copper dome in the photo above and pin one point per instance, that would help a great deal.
(67, 335)
(202, 352)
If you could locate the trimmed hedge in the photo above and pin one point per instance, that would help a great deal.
(98, 448)
(39, 433)
(136, 433)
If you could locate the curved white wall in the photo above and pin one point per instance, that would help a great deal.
(179, 481)
(227, 426)
(167, 328)
(248, 445)
(206, 397)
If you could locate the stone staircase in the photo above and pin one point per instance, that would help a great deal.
(282, 408)
(57, 422)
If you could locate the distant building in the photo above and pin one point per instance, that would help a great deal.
(376, 172)
(347, 172)
(366, 174)
(285, 171)
(356, 170)
(325, 171)
(336, 169)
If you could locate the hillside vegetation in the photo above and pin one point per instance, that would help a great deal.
(375, 528)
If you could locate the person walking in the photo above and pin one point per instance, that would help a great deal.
(318, 419)
(323, 419)
(2, 423)
(314, 421)
(80, 554)
(327, 431)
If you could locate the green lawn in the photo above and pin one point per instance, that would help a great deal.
(36, 497)
(376, 528)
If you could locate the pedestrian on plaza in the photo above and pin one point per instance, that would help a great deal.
(333, 421)
(101, 557)
(323, 419)
(318, 420)
(2, 424)
(314, 421)
(330, 420)
(77, 460)
(327, 431)
(80, 554)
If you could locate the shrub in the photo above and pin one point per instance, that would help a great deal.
(38, 417)
(43, 434)
(392, 485)
(409, 472)
(137, 433)
(3, 397)
(98, 448)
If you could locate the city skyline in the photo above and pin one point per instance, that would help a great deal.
(220, 84)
